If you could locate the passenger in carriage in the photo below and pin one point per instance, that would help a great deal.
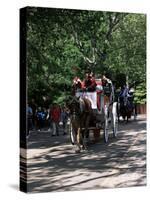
(77, 85)
(108, 88)
(89, 83)
(77, 82)
(106, 80)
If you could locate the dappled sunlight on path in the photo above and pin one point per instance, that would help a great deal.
(53, 165)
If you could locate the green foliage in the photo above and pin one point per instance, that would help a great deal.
(61, 43)
(140, 94)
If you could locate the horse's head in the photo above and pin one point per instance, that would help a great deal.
(73, 105)
(79, 105)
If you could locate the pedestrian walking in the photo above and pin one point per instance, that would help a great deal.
(48, 118)
(64, 119)
(55, 118)
(29, 116)
(41, 117)
(34, 108)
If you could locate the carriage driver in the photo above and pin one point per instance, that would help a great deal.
(108, 89)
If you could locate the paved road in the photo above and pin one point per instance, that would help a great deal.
(53, 165)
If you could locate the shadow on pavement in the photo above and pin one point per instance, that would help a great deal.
(60, 169)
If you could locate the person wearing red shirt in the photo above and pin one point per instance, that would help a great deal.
(55, 117)
(89, 82)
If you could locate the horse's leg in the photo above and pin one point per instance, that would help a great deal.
(127, 115)
(127, 119)
(78, 148)
(76, 134)
(124, 117)
(86, 132)
(83, 140)
(82, 131)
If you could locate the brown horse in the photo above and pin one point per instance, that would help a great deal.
(81, 113)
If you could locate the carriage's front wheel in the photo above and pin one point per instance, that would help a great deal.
(106, 133)
(106, 125)
(72, 134)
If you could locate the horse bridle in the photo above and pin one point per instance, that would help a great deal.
(74, 113)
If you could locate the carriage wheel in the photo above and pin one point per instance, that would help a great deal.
(106, 133)
(106, 125)
(114, 119)
(72, 134)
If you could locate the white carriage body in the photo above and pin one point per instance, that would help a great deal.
(104, 108)
(94, 97)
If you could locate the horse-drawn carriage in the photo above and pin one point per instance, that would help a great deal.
(92, 111)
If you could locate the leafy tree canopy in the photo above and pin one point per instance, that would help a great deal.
(62, 43)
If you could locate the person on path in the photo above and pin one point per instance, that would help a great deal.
(55, 118)
(64, 119)
(29, 116)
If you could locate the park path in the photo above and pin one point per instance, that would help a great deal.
(53, 165)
